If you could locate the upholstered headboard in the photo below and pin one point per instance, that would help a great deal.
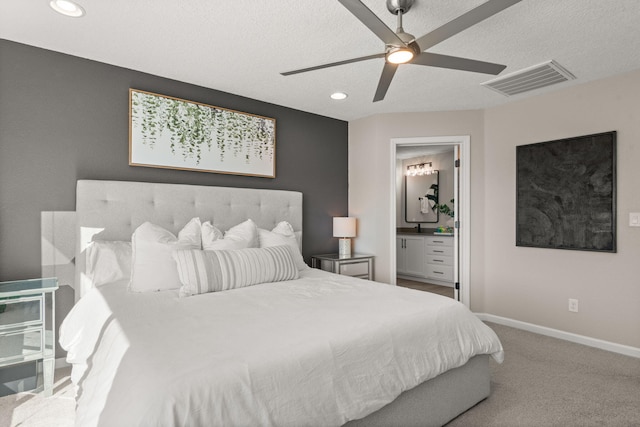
(112, 210)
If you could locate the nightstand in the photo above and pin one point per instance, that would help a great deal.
(356, 265)
(27, 326)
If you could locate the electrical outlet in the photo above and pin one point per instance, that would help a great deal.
(573, 305)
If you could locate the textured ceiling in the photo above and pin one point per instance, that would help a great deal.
(242, 46)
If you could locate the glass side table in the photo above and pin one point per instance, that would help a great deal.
(27, 326)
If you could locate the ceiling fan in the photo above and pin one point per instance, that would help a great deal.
(403, 48)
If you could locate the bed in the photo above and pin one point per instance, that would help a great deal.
(314, 349)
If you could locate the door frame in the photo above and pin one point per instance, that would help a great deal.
(463, 211)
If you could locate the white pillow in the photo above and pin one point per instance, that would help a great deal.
(212, 271)
(283, 234)
(108, 261)
(244, 235)
(210, 234)
(153, 266)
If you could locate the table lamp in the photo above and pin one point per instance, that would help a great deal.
(344, 228)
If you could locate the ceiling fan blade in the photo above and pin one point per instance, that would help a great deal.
(372, 22)
(457, 63)
(463, 22)
(385, 80)
(333, 64)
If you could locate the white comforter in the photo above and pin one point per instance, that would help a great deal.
(320, 350)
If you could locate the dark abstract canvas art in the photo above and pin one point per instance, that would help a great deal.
(566, 193)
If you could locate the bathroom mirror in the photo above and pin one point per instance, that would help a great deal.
(420, 197)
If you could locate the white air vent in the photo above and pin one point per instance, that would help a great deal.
(536, 77)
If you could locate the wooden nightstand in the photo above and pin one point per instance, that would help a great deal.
(356, 265)
(27, 326)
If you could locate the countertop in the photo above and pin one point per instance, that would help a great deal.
(414, 230)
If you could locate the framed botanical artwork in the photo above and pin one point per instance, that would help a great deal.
(566, 193)
(167, 132)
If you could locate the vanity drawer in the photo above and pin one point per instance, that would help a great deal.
(439, 241)
(439, 272)
(21, 345)
(23, 311)
(440, 250)
(440, 260)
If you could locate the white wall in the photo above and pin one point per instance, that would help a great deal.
(527, 284)
(370, 178)
(533, 285)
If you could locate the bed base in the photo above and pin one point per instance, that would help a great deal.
(437, 401)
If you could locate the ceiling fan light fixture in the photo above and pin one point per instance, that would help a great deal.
(402, 47)
(399, 55)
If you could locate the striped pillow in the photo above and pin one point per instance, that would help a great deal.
(213, 271)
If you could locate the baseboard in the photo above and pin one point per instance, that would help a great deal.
(567, 336)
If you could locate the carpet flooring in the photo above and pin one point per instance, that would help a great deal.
(543, 382)
(32, 410)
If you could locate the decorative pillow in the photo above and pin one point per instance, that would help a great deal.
(153, 266)
(108, 261)
(212, 271)
(210, 234)
(244, 235)
(283, 234)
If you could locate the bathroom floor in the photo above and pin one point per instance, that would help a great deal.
(427, 287)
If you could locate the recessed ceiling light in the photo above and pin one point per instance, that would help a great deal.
(339, 95)
(67, 8)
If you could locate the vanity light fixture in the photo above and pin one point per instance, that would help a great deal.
(339, 96)
(420, 169)
(67, 8)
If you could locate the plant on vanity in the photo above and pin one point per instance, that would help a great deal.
(432, 195)
(445, 209)
(449, 211)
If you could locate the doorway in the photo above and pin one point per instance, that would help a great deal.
(459, 146)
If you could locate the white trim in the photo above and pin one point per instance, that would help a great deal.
(462, 208)
(567, 336)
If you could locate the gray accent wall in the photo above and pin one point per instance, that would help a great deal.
(64, 118)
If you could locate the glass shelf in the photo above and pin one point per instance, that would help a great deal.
(27, 287)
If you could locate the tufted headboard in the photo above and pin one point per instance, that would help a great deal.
(112, 210)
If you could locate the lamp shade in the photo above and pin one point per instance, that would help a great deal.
(344, 226)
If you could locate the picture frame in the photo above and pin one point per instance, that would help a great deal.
(173, 133)
(566, 193)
